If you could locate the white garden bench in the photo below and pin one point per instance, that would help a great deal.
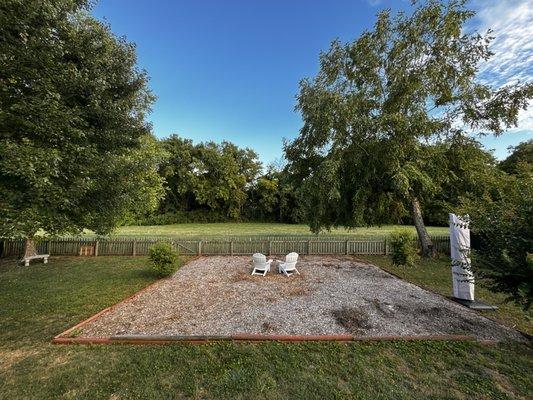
(26, 260)
(30, 253)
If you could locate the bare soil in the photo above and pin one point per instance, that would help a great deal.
(332, 295)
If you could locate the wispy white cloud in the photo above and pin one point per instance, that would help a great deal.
(512, 25)
(374, 3)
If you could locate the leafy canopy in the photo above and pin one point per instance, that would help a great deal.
(376, 104)
(461, 171)
(216, 176)
(520, 158)
(75, 149)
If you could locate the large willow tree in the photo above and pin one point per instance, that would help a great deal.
(376, 101)
(75, 149)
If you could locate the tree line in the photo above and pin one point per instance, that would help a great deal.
(210, 182)
(215, 182)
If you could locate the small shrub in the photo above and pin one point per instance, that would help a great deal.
(164, 259)
(403, 248)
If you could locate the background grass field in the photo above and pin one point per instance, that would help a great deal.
(222, 229)
(40, 301)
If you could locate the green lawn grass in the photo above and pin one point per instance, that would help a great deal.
(258, 229)
(40, 301)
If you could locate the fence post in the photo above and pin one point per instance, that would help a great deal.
(231, 248)
(346, 249)
(134, 247)
(96, 248)
(269, 247)
(48, 247)
(308, 247)
(200, 248)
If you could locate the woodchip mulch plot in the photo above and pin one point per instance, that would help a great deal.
(333, 295)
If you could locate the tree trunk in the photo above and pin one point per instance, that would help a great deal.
(425, 240)
(29, 247)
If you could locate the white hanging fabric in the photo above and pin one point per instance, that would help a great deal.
(463, 279)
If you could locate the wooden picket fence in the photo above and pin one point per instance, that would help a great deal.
(128, 246)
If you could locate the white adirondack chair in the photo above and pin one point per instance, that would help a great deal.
(289, 266)
(260, 264)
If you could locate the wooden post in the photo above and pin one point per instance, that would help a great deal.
(134, 248)
(347, 244)
(96, 249)
(48, 247)
(308, 247)
(231, 248)
(200, 248)
(386, 250)
(270, 247)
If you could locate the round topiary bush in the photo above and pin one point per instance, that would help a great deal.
(403, 246)
(164, 259)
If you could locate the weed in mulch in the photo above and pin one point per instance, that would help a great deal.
(353, 319)
(431, 312)
(383, 307)
(268, 327)
(298, 291)
(172, 317)
(243, 277)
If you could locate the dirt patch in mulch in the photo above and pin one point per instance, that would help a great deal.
(332, 295)
(354, 319)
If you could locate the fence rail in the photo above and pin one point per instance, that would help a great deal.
(128, 246)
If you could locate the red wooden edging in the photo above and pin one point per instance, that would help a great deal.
(254, 338)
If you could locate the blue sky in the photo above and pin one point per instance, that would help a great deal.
(229, 70)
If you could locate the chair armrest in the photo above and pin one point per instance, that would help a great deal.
(269, 261)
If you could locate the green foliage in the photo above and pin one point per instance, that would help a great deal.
(520, 158)
(211, 182)
(403, 247)
(267, 190)
(164, 259)
(75, 149)
(209, 175)
(274, 197)
(503, 233)
(462, 171)
(361, 156)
